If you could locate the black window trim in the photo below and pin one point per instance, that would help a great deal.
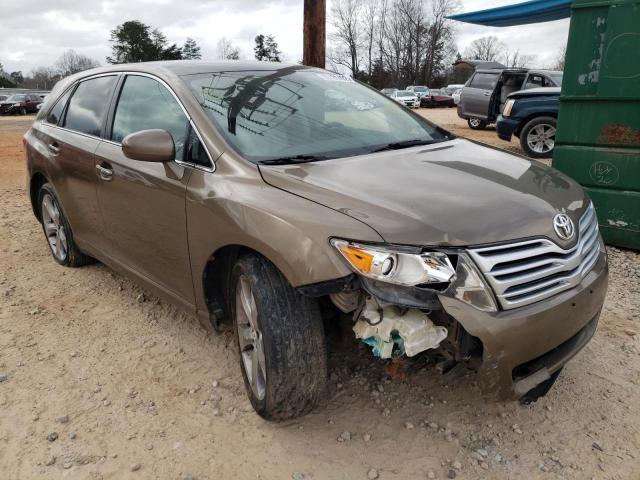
(70, 89)
(190, 124)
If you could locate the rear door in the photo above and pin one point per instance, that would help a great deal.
(477, 95)
(143, 203)
(70, 134)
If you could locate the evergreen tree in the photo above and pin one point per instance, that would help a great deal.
(191, 50)
(134, 41)
(266, 49)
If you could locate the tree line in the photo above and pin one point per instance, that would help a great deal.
(393, 42)
(386, 43)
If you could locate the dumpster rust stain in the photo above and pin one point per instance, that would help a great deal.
(619, 134)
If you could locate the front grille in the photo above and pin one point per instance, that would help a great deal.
(524, 272)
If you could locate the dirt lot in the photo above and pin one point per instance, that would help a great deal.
(134, 388)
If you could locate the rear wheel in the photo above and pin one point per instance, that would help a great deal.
(538, 137)
(58, 232)
(476, 124)
(281, 340)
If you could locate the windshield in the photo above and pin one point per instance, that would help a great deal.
(557, 78)
(420, 89)
(15, 98)
(405, 93)
(295, 111)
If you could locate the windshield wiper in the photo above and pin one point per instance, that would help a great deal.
(292, 159)
(407, 144)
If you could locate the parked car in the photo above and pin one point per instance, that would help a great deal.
(3, 97)
(406, 98)
(486, 92)
(221, 191)
(531, 115)
(388, 91)
(456, 96)
(419, 90)
(452, 88)
(437, 98)
(20, 104)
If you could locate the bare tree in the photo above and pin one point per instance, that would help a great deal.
(370, 23)
(441, 42)
(485, 48)
(71, 62)
(393, 42)
(227, 50)
(515, 59)
(345, 19)
(558, 63)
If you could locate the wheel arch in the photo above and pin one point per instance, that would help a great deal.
(37, 180)
(216, 275)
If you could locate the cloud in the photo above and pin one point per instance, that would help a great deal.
(35, 32)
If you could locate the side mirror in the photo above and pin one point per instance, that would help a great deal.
(149, 146)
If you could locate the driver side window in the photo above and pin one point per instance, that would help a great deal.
(145, 104)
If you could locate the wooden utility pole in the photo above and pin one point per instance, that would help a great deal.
(314, 33)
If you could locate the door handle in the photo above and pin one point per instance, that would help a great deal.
(54, 148)
(104, 173)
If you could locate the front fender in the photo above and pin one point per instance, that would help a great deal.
(234, 206)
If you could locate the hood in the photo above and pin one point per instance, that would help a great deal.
(453, 193)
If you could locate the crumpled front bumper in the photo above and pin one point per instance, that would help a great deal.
(524, 346)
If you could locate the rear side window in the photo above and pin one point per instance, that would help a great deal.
(55, 114)
(485, 81)
(145, 104)
(88, 105)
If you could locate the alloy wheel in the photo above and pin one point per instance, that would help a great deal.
(474, 122)
(541, 138)
(250, 338)
(54, 228)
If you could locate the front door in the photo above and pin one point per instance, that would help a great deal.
(143, 203)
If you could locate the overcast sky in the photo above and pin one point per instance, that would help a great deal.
(34, 33)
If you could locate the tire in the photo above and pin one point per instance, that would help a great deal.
(541, 390)
(288, 328)
(476, 124)
(538, 137)
(23, 111)
(57, 231)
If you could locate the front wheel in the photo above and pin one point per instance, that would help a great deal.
(281, 340)
(538, 137)
(476, 124)
(23, 111)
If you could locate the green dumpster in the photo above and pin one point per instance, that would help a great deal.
(598, 135)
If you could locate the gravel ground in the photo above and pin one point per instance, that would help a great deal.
(99, 382)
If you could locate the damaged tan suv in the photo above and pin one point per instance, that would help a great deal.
(286, 199)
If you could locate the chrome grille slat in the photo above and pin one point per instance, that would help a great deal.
(528, 271)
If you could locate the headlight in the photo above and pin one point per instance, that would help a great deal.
(393, 266)
(469, 286)
(507, 107)
(410, 269)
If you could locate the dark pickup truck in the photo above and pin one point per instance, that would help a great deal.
(531, 115)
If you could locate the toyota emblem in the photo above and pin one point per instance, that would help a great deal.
(563, 225)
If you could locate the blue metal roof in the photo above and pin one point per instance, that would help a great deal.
(533, 11)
